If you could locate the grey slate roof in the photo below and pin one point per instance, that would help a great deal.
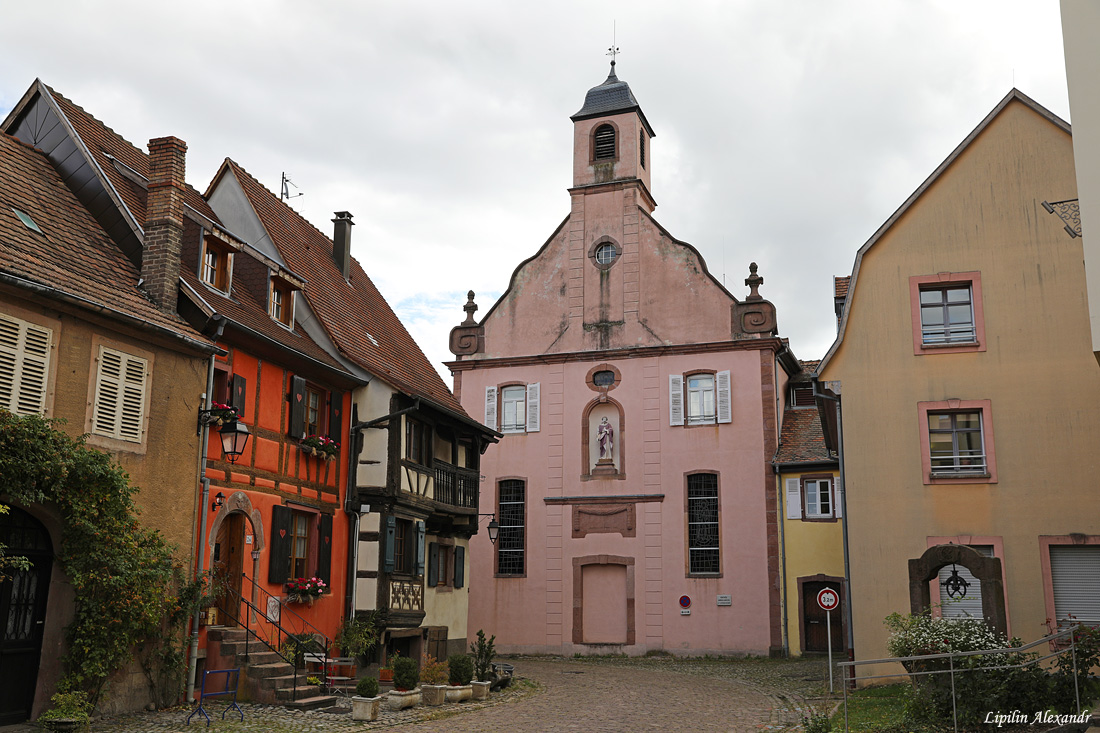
(611, 97)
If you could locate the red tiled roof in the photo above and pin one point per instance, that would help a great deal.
(102, 141)
(840, 286)
(357, 318)
(801, 440)
(243, 306)
(73, 254)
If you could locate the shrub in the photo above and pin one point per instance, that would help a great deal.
(367, 687)
(433, 671)
(406, 674)
(68, 706)
(977, 688)
(483, 652)
(357, 635)
(462, 669)
(1086, 641)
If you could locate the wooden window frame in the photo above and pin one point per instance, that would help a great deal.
(818, 478)
(418, 442)
(688, 572)
(688, 376)
(223, 265)
(320, 428)
(285, 305)
(308, 559)
(525, 526)
(940, 281)
(924, 409)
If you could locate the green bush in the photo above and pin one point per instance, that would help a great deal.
(483, 652)
(406, 674)
(462, 669)
(68, 706)
(367, 687)
(977, 688)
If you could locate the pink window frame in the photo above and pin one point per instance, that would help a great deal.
(1045, 543)
(974, 280)
(986, 407)
(997, 543)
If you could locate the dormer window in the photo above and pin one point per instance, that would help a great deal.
(605, 143)
(281, 303)
(216, 266)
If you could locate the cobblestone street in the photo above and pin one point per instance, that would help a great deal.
(563, 695)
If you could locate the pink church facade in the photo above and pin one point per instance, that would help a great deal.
(638, 401)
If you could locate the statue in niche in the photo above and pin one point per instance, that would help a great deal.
(605, 436)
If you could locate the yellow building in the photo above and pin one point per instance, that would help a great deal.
(812, 535)
(968, 387)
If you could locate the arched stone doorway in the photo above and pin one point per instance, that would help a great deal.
(23, 597)
(986, 569)
(236, 541)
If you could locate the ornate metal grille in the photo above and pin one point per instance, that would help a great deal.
(513, 516)
(703, 523)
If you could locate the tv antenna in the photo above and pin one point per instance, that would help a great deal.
(284, 189)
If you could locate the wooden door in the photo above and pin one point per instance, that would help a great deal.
(228, 566)
(22, 613)
(815, 631)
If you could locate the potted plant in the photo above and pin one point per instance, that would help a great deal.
(405, 693)
(461, 668)
(305, 590)
(385, 674)
(433, 681)
(220, 414)
(365, 703)
(357, 636)
(68, 712)
(483, 652)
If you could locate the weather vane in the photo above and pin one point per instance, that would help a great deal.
(613, 50)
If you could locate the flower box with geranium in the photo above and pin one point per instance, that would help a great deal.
(319, 445)
(220, 414)
(305, 590)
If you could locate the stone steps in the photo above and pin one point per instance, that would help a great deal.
(318, 702)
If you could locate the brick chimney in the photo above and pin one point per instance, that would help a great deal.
(341, 242)
(160, 261)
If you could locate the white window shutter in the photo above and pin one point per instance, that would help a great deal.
(491, 407)
(838, 498)
(675, 399)
(794, 498)
(533, 391)
(119, 410)
(24, 366)
(725, 407)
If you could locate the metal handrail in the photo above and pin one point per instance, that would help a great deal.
(249, 632)
(952, 669)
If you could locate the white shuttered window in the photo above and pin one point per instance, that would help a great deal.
(700, 399)
(119, 410)
(518, 408)
(24, 365)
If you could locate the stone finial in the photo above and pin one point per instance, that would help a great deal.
(467, 337)
(470, 308)
(754, 282)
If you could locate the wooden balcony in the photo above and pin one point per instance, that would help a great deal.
(406, 595)
(456, 486)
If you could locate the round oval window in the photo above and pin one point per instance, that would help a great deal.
(606, 254)
(603, 379)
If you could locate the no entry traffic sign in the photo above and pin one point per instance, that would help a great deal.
(828, 599)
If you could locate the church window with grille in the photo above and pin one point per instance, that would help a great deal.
(605, 142)
(702, 511)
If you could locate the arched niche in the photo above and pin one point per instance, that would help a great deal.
(603, 407)
(986, 569)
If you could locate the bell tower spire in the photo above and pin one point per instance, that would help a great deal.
(612, 139)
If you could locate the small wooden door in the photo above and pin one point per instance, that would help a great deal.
(22, 613)
(228, 566)
(815, 631)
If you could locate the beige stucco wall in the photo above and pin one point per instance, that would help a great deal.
(373, 401)
(449, 606)
(983, 214)
(1080, 26)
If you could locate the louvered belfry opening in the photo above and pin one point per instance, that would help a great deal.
(605, 142)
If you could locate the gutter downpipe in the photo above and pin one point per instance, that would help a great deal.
(844, 529)
(200, 568)
(780, 520)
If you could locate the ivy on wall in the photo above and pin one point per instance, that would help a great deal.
(124, 575)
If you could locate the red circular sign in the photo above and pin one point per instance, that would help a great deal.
(828, 599)
(685, 602)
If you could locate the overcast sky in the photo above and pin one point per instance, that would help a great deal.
(787, 131)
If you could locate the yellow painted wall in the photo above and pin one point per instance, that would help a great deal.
(983, 214)
(449, 607)
(164, 464)
(810, 548)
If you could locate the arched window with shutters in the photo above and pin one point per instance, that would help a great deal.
(604, 143)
